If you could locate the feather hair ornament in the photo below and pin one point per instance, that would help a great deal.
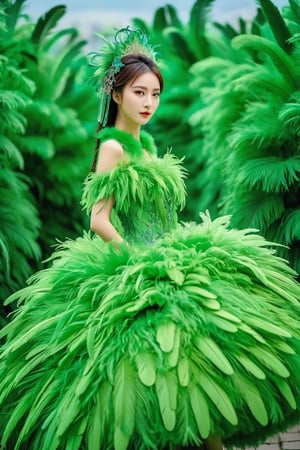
(108, 62)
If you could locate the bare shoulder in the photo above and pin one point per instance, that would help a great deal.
(110, 153)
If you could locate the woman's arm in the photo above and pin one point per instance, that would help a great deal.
(109, 156)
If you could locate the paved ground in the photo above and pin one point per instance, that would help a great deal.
(287, 441)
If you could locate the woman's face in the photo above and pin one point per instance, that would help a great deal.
(138, 100)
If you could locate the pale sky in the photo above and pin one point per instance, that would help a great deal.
(90, 16)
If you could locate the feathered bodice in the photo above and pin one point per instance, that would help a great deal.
(148, 190)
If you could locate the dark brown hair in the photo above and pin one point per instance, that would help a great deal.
(135, 65)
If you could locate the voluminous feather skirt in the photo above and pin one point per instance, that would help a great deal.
(150, 346)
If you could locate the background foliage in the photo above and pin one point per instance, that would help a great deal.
(231, 108)
(47, 127)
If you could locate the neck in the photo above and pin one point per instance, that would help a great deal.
(130, 128)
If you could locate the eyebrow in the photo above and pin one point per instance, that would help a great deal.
(134, 86)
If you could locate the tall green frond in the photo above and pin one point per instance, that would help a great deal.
(18, 237)
(270, 174)
(40, 146)
(16, 79)
(262, 80)
(256, 211)
(227, 30)
(290, 115)
(10, 153)
(60, 69)
(14, 119)
(199, 18)
(290, 225)
(141, 24)
(159, 20)
(283, 62)
(71, 34)
(164, 17)
(13, 11)
(12, 99)
(46, 22)
(277, 24)
(174, 20)
(179, 45)
(46, 133)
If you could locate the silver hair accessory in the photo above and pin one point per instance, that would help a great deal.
(108, 62)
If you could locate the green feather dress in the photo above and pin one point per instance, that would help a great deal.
(187, 330)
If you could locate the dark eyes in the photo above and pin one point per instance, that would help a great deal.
(141, 93)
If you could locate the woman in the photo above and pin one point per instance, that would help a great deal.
(149, 334)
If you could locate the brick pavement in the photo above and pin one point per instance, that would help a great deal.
(285, 441)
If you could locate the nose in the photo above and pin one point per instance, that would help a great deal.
(148, 101)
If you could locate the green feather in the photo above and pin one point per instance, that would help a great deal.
(15, 378)
(218, 396)
(183, 371)
(145, 363)
(253, 399)
(165, 336)
(251, 367)
(227, 315)
(166, 391)
(26, 337)
(100, 416)
(121, 439)
(176, 276)
(42, 400)
(200, 410)
(94, 432)
(197, 291)
(211, 350)
(196, 279)
(90, 341)
(225, 325)
(50, 439)
(266, 326)
(68, 409)
(20, 410)
(124, 398)
(244, 327)
(212, 304)
(284, 347)
(286, 391)
(84, 384)
(172, 357)
(269, 360)
(73, 440)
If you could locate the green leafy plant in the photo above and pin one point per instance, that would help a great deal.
(250, 121)
(20, 223)
(181, 45)
(48, 112)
